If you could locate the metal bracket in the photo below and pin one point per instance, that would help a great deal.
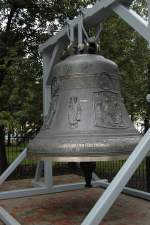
(83, 37)
(70, 31)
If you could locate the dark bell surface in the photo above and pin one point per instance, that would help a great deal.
(87, 117)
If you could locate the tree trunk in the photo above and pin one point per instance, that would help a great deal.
(3, 157)
(146, 124)
(9, 138)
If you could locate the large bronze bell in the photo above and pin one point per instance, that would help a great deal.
(87, 119)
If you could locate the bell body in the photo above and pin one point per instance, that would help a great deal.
(87, 119)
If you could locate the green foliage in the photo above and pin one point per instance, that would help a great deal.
(129, 50)
(23, 26)
(26, 24)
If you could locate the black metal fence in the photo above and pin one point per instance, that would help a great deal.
(105, 170)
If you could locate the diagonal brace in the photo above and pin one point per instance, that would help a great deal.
(13, 166)
(133, 19)
(7, 218)
(121, 179)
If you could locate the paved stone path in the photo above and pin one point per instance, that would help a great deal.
(70, 208)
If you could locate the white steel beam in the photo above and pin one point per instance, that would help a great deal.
(52, 60)
(13, 166)
(21, 193)
(129, 191)
(52, 41)
(37, 181)
(44, 190)
(95, 177)
(55, 58)
(73, 186)
(6, 218)
(133, 19)
(116, 186)
(148, 4)
(38, 172)
(46, 88)
(48, 176)
(100, 11)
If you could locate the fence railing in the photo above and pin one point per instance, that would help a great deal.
(105, 170)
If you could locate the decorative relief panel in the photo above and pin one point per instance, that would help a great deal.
(51, 112)
(54, 86)
(74, 112)
(108, 110)
(67, 69)
(86, 67)
(53, 104)
(106, 81)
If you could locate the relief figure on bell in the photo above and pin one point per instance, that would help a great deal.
(108, 111)
(54, 86)
(74, 112)
(99, 111)
(51, 112)
(106, 81)
(117, 116)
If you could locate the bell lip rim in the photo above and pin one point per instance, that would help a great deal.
(59, 158)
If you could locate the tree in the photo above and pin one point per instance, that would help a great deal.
(129, 50)
(23, 26)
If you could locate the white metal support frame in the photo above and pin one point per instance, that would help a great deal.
(116, 186)
(148, 4)
(133, 19)
(13, 166)
(51, 51)
(39, 186)
(7, 218)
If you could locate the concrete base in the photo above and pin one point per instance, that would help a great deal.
(70, 208)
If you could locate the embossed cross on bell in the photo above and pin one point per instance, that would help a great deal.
(87, 119)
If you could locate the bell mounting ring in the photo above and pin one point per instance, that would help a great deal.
(83, 39)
